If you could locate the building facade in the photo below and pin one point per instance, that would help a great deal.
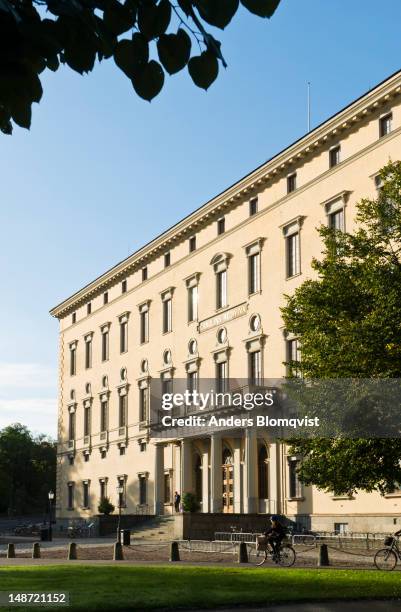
(203, 300)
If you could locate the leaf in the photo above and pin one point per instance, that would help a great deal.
(217, 12)
(174, 50)
(153, 20)
(262, 8)
(131, 55)
(149, 80)
(203, 69)
(118, 18)
(21, 113)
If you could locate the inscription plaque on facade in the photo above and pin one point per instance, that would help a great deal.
(223, 317)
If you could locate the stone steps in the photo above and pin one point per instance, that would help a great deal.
(157, 530)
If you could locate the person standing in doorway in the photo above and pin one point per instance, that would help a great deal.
(177, 501)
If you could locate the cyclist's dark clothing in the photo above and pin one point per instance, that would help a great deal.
(275, 536)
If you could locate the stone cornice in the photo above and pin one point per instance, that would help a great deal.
(247, 187)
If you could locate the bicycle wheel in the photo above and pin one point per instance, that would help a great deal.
(385, 559)
(286, 556)
(260, 557)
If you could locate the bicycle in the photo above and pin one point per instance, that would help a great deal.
(386, 558)
(285, 557)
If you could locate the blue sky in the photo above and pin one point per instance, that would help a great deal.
(101, 171)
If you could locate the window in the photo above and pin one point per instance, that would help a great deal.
(144, 273)
(70, 496)
(167, 489)
(103, 492)
(340, 528)
(263, 473)
(253, 207)
(193, 303)
(142, 489)
(385, 124)
(104, 409)
(293, 263)
(291, 182)
(89, 308)
(167, 384)
(334, 156)
(294, 485)
(221, 226)
(144, 326)
(167, 315)
(124, 286)
(192, 244)
(103, 454)
(167, 259)
(255, 368)
(71, 426)
(106, 297)
(143, 404)
(88, 352)
(73, 359)
(336, 220)
(85, 494)
(122, 450)
(86, 457)
(254, 273)
(192, 381)
(221, 289)
(142, 447)
(71, 460)
(105, 344)
(123, 336)
(74, 317)
(293, 358)
(122, 412)
(87, 421)
(221, 376)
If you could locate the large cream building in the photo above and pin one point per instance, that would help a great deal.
(203, 300)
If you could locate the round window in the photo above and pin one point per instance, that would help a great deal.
(222, 335)
(193, 347)
(72, 394)
(144, 365)
(104, 381)
(88, 388)
(254, 322)
(167, 356)
(123, 373)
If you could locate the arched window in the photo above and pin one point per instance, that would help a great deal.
(227, 457)
(263, 473)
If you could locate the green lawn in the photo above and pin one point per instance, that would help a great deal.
(100, 587)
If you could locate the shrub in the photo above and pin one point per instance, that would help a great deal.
(190, 503)
(105, 506)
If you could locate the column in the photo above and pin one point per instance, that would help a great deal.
(237, 476)
(251, 472)
(159, 479)
(216, 482)
(177, 468)
(186, 467)
(205, 477)
(273, 477)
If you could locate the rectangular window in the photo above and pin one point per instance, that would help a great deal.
(167, 489)
(106, 297)
(124, 286)
(221, 289)
(73, 360)
(102, 490)
(192, 381)
(71, 426)
(254, 273)
(255, 368)
(291, 182)
(385, 124)
(103, 415)
(167, 316)
(142, 447)
(122, 450)
(167, 385)
(144, 326)
(253, 207)
(221, 226)
(87, 421)
(70, 496)
(193, 303)
(86, 457)
(293, 262)
(85, 494)
(142, 490)
(143, 405)
(122, 410)
(144, 273)
(123, 336)
(294, 487)
(221, 377)
(89, 308)
(103, 454)
(192, 244)
(334, 156)
(74, 317)
(88, 353)
(336, 220)
(105, 345)
(340, 528)
(167, 259)
(293, 358)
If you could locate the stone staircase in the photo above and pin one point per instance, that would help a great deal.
(159, 529)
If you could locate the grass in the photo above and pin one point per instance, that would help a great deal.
(140, 588)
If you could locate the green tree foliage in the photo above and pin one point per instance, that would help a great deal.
(348, 320)
(27, 470)
(190, 503)
(146, 38)
(105, 506)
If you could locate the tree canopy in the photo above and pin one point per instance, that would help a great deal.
(146, 38)
(348, 321)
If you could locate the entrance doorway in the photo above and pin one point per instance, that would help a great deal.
(228, 482)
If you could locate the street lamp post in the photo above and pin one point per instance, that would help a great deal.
(120, 491)
(51, 497)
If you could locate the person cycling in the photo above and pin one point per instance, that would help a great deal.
(276, 534)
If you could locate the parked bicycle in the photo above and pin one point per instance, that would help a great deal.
(386, 558)
(285, 556)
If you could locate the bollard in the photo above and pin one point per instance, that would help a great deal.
(10, 551)
(72, 551)
(174, 552)
(242, 553)
(323, 559)
(118, 552)
(36, 550)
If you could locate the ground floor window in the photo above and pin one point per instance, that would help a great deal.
(143, 495)
(263, 475)
(167, 488)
